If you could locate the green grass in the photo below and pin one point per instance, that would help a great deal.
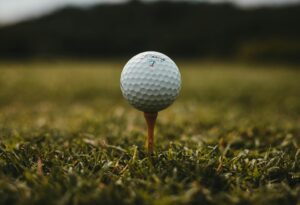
(68, 137)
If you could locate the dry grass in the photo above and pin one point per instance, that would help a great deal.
(68, 137)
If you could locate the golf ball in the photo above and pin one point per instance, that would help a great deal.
(150, 81)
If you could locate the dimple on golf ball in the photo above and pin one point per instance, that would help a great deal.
(150, 81)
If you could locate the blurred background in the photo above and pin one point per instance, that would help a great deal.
(248, 30)
(60, 60)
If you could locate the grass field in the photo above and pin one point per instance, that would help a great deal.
(68, 137)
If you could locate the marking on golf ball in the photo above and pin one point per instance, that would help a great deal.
(150, 91)
(154, 59)
(152, 62)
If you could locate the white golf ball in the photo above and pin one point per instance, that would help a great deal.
(150, 81)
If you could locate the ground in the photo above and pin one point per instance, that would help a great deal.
(68, 137)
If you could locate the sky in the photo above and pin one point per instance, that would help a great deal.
(12, 11)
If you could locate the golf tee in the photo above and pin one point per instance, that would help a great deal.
(150, 120)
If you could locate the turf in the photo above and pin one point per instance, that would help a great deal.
(68, 137)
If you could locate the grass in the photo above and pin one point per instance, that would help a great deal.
(68, 137)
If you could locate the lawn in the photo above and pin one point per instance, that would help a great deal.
(68, 137)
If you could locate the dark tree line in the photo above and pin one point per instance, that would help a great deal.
(181, 29)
